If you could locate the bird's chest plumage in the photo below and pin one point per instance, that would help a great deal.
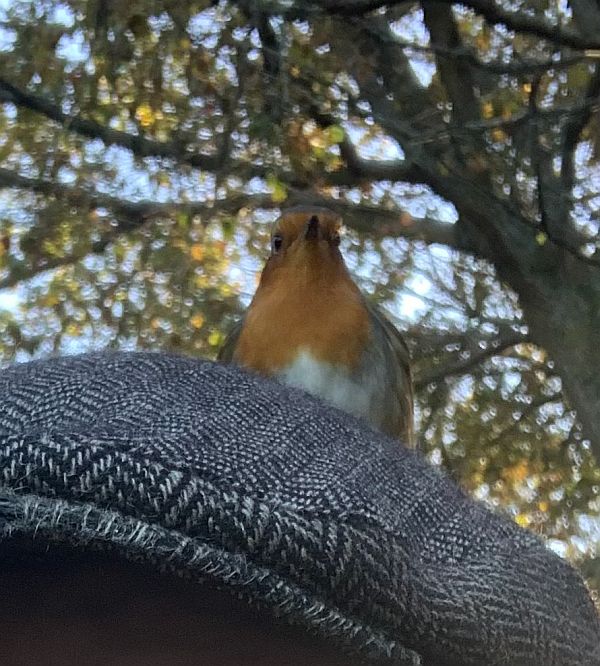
(338, 385)
(330, 326)
(317, 338)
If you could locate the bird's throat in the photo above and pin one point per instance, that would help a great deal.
(328, 322)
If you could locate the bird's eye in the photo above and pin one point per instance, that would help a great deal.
(276, 243)
(335, 239)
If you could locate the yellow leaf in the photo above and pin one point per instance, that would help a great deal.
(541, 238)
(527, 88)
(499, 135)
(522, 519)
(543, 506)
(487, 110)
(335, 133)
(215, 339)
(163, 179)
(318, 140)
(197, 252)
(144, 115)
(72, 329)
(516, 473)
(201, 281)
(197, 320)
(278, 189)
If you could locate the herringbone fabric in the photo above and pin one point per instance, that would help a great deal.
(300, 508)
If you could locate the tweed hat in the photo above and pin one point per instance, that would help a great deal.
(302, 510)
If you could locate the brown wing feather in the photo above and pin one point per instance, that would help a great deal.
(399, 374)
(228, 349)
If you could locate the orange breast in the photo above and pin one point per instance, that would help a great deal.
(323, 314)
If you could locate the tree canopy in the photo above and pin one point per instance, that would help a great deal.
(146, 146)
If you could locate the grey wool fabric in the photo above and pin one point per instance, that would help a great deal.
(301, 509)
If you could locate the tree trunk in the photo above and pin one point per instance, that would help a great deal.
(559, 294)
(563, 314)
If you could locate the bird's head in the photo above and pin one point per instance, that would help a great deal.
(305, 241)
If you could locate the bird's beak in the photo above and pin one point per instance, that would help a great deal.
(312, 229)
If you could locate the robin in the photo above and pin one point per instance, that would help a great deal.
(309, 326)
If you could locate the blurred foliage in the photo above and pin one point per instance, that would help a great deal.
(146, 146)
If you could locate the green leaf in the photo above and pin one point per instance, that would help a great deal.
(278, 189)
(335, 134)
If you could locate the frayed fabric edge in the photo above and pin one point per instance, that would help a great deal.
(82, 525)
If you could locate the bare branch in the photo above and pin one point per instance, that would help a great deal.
(586, 16)
(528, 116)
(396, 72)
(305, 10)
(526, 412)
(129, 215)
(523, 67)
(554, 193)
(573, 130)
(495, 14)
(464, 365)
(137, 144)
(358, 169)
(455, 74)
(375, 222)
(368, 220)
(22, 273)
(489, 9)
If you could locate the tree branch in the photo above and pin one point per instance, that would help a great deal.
(495, 14)
(358, 169)
(139, 145)
(380, 223)
(586, 17)
(526, 412)
(129, 215)
(462, 366)
(527, 116)
(573, 130)
(395, 69)
(554, 193)
(369, 220)
(492, 12)
(523, 67)
(455, 74)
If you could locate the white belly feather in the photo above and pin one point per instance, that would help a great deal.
(331, 383)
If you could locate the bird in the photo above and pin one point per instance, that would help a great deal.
(309, 326)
